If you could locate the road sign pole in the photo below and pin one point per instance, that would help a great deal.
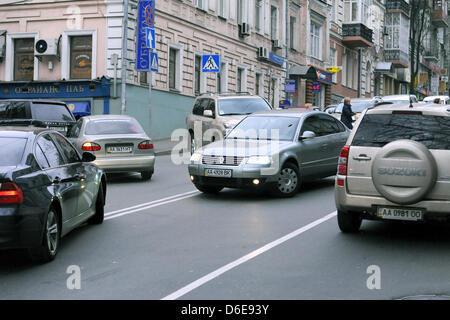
(150, 80)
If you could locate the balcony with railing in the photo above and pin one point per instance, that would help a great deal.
(356, 35)
(393, 6)
(439, 13)
(398, 58)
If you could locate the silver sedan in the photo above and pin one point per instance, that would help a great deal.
(118, 142)
(275, 150)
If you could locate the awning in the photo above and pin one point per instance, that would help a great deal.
(79, 108)
(304, 72)
(384, 67)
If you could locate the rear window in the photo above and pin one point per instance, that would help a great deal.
(116, 126)
(51, 112)
(11, 150)
(376, 130)
(242, 106)
(14, 110)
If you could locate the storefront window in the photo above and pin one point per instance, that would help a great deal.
(24, 59)
(81, 57)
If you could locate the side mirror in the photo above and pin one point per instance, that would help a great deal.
(88, 157)
(208, 113)
(307, 135)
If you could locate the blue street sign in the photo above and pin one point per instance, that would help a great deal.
(151, 38)
(146, 20)
(211, 63)
(154, 61)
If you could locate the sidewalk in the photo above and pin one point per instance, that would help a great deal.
(163, 146)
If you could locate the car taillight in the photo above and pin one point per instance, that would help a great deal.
(10, 193)
(343, 160)
(145, 145)
(91, 146)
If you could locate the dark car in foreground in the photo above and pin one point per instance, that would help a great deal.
(46, 190)
(39, 113)
(274, 150)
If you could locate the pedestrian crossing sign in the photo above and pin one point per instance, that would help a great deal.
(154, 62)
(211, 63)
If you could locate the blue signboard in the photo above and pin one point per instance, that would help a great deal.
(276, 59)
(211, 63)
(151, 38)
(154, 62)
(146, 20)
(316, 87)
(290, 86)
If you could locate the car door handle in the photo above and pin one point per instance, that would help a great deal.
(362, 157)
(324, 147)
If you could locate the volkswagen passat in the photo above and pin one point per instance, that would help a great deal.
(274, 150)
(46, 190)
(118, 141)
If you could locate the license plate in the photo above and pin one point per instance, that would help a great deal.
(400, 214)
(223, 173)
(63, 129)
(119, 149)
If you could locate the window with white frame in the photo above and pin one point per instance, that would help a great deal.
(333, 63)
(222, 9)
(315, 48)
(20, 63)
(356, 10)
(241, 79)
(368, 78)
(259, 84)
(240, 11)
(274, 27)
(259, 17)
(175, 67)
(222, 77)
(197, 74)
(274, 92)
(292, 32)
(202, 4)
(349, 71)
(344, 69)
(355, 73)
(79, 52)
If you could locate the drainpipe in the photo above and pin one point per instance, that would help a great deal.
(359, 72)
(124, 56)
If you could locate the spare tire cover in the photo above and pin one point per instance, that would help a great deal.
(404, 171)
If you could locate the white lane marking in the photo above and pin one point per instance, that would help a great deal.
(150, 203)
(251, 255)
(156, 203)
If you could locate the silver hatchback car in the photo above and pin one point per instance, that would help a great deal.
(118, 142)
(274, 150)
(395, 166)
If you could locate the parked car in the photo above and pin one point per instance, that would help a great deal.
(118, 142)
(443, 99)
(41, 113)
(46, 190)
(303, 146)
(358, 106)
(330, 108)
(400, 98)
(395, 166)
(219, 113)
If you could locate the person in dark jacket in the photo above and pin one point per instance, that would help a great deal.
(347, 113)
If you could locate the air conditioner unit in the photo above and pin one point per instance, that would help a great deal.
(46, 47)
(263, 53)
(245, 29)
(276, 43)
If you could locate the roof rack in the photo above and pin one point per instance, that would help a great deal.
(239, 93)
(25, 122)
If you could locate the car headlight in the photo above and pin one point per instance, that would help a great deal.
(262, 160)
(196, 158)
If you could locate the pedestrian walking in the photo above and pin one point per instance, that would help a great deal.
(347, 113)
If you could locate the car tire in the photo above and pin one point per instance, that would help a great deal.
(348, 222)
(146, 175)
(99, 215)
(48, 250)
(288, 181)
(209, 189)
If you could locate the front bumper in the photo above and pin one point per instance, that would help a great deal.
(242, 176)
(19, 231)
(126, 164)
(366, 206)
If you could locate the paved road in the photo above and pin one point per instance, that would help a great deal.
(162, 239)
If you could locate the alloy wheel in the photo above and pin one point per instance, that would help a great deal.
(52, 233)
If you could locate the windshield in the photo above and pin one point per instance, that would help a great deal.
(11, 150)
(357, 106)
(376, 130)
(242, 106)
(51, 112)
(265, 128)
(113, 126)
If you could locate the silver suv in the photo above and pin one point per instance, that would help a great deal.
(213, 115)
(395, 166)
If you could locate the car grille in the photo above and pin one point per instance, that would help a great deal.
(222, 160)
